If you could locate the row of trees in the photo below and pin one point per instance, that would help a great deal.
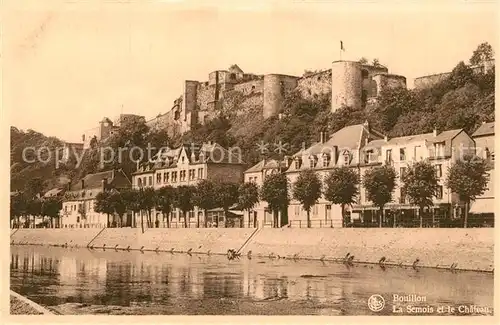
(468, 178)
(206, 195)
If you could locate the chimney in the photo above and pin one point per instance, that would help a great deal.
(386, 138)
(366, 141)
(104, 184)
(435, 132)
(69, 186)
(83, 183)
(322, 137)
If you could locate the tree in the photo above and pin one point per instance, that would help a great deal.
(468, 177)
(51, 208)
(307, 190)
(461, 75)
(164, 201)
(103, 204)
(18, 207)
(119, 206)
(483, 52)
(248, 197)
(204, 197)
(184, 200)
(363, 60)
(226, 195)
(34, 207)
(341, 187)
(148, 203)
(34, 187)
(133, 198)
(275, 192)
(376, 63)
(420, 185)
(379, 183)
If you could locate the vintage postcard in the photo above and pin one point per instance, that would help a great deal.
(250, 158)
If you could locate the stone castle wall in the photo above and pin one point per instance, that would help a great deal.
(315, 84)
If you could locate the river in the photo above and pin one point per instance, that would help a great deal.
(81, 281)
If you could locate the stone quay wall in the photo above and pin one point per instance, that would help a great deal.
(451, 248)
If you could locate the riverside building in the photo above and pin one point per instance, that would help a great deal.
(360, 147)
(187, 165)
(79, 201)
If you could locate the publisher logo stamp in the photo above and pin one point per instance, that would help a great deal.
(376, 303)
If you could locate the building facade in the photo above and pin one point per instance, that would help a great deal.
(261, 216)
(187, 165)
(360, 147)
(79, 201)
(485, 148)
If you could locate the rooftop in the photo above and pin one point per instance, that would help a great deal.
(485, 129)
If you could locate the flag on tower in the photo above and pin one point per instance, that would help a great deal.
(342, 46)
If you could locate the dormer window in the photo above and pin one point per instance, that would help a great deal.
(347, 158)
(312, 161)
(326, 160)
(297, 163)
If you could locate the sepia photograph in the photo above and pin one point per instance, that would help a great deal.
(250, 158)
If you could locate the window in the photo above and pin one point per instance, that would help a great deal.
(439, 170)
(326, 161)
(368, 156)
(416, 153)
(402, 197)
(402, 172)
(150, 180)
(439, 149)
(312, 162)
(182, 159)
(315, 209)
(346, 158)
(174, 177)
(388, 156)
(191, 214)
(297, 210)
(439, 194)
(200, 173)
(297, 164)
(182, 175)
(192, 174)
(158, 178)
(165, 177)
(402, 154)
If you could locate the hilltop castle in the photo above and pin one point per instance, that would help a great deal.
(350, 84)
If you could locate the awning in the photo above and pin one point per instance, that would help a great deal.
(483, 206)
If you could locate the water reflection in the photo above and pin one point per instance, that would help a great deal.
(55, 276)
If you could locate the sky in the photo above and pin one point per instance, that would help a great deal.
(67, 64)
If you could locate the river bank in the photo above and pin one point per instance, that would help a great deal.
(20, 305)
(446, 248)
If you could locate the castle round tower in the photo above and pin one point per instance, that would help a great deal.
(347, 84)
(275, 87)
